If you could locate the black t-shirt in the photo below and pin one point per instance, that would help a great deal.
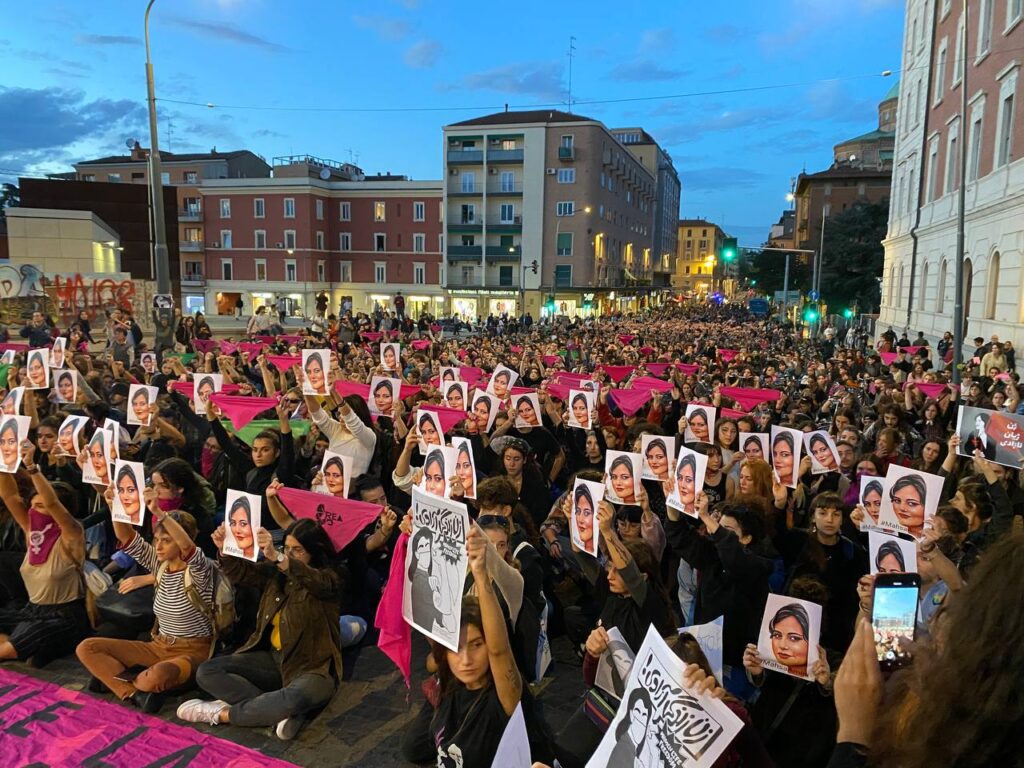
(467, 727)
(545, 446)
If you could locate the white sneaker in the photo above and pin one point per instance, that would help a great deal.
(199, 711)
(289, 728)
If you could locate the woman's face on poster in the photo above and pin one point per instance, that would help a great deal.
(699, 428)
(423, 553)
(580, 412)
(128, 494)
(752, 449)
(428, 432)
(66, 439)
(685, 482)
(390, 358)
(873, 504)
(501, 385)
(8, 406)
(908, 506)
(822, 454)
(526, 412)
(789, 644)
(585, 521)
(334, 478)
(657, 461)
(383, 399)
(37, 371)
(482, 410)
(979, 425)
(315, 375)
(140, 405)
(96, 457)
(433, 476)
(66, 389)
(9, 444)
(782, 460)
(621, 479)
(241, 529)
(639, 718)
(455, 399)
(890, 564)
(464, 470)
(204, 391)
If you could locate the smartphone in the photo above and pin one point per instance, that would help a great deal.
(128, 675)
(894, 617)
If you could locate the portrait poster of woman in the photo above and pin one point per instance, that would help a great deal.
(37, 369)
(11, 404)
(242, 520)
(7, 357)
(58, 352)
(96, 469)
(205, 385)
(449, 373)
(872, 491)
(581, 406)
(428, 425)
(435, 568)
(129, 483)
(315, 365)
(438, 469)
(335, 474)
(13, 432)
(465, 465)
(785, 455)
(997, 435)
(148, 361)
(756, 445)
(622, 477)
(527, 410)
(661, 723)
(117, 436)
(391, 357)
(700, 423)
(583, 529)
(659, 455)
(456, 394)
(789, 636)
(485, 410)
(69, 436)
(910, 501)
(686, 481)
(822, 450)
(502, 381)
(383, 392)
(891, 554)
(140, 402)
(65, 385)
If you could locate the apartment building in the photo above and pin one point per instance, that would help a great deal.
(918, 288)
(545, 211)
(699, 243)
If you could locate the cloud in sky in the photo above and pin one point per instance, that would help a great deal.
(423, 54)
(229, 32)
(719, 177)
(658, 39)
(108, 40)
(542, 79)
(727, 120)
(385, 27)
(643, 71)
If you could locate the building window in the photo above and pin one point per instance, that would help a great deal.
(468, 213)
(380, 241)
(321, 271)
(345, 211)
(379, 210)
(565, 208)
(291, 273)
(419, 211)
(974, 158)
(225, 208)
(88, 177)
(992, 287)
(566, 175)
(419, 273)
(226, 271)
(345, 271)
(508, 182)
(984, 29)
(940, 289)
(192, 235)
(923, 299)
(345, 241)
(319, 240)
(261, 270)
(940, 71)
(380, 272)
(1014, 10)
(259, 238)
(165, 178)
(563, 275)
(289, 207)
(1004, 144)
(507, 213)
(566, 142)
(958, 62)
(933, 170)
(114, 178)
(505, 276)
(191, 177)
(225, 238)
(289, 239)
(564, 245)
(952, 160)
(508, 144)
(193, 206)
(259, 208)
(419, 243)
(468, 182)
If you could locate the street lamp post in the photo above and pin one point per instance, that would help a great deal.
(164, 331)
(958, 274)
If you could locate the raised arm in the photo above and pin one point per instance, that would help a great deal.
(70, 529)
(13, 501)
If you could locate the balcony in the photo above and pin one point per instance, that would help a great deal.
(499, 226)
(193, 280)
(505, 156)
(504, 252)
(499, 188)
(190, 214)
(465, 252)
(465, 190)
(465, 156)
(466, 224)
(567, 153)
(190, 246)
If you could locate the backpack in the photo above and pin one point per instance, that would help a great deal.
(221, 614)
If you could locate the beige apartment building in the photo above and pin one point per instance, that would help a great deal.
(699, 243)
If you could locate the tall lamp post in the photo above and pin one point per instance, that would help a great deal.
(558, 228)
(958, 274)
(161, 262)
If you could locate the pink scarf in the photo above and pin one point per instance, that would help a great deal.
(43, 534)
(931, 390)
(241, 410)
(619, 372)
(550, 359)
(626, 338)
(206, 460)
(657, 369)
(750, 398)
(249, 347)
(342, 519)
(448, 417)
(687, 369)
(888, 357)
(648, 383)
(284, 362)
(395, 639)
(629, 401)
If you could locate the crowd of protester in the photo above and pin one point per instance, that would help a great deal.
(157, 609)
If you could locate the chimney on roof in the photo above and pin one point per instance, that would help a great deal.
(506, 106)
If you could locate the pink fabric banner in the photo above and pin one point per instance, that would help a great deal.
(15, 345)
(750, 398)
(470, 374)
(649, 383)
(647, 351)
(567, 377)
(448, 417)
(889, 357)
(911, 350)
(931, 390)
(561, 391)
(521, 391)
(50, 725)
(345, 388)
(619, 372)
(729, 413)
(251, 348)
(372, 336)
(626, 338)
(241, 410)
(550, 359)
(688, 369)
(395, 640)
(727, 354)
(290, 338)
(228, 347)
(629, 401)
(204, 345)
(420, 344)
(341, 518)
(285, 362)
(657, 369)
(266, 339)
(435, 328)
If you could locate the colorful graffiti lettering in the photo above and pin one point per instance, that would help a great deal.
(20, 282)
(73, 293)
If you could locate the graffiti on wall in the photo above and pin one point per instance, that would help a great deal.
(20, 282)
(24, 289)
(74, 293)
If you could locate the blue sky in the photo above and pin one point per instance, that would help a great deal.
(73, 84)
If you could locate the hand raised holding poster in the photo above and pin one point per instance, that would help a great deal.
(790, 632)
(786, 445)
(315, 363)
(242, 519)
(129, 481)
(205, 385)
(615, 663)
(659, 454)
(502, 381)
(622, 483)
(910, 502)
(687, 481)
(435, 568)
(581, 406)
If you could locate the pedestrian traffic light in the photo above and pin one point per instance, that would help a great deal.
(730, 249)
(533, 266)
(847, 313)
(550, 306)
(810, 313)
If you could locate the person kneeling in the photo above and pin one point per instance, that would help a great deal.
(291, 663)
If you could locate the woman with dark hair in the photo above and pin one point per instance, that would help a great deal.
(36, 369)
(333, 476)
(784, 458)
(658, 459)
(518, 465)
(697, 423)
(636, 742)
(97, 458)
(128, 493)
(684, 484)
(9, 448)
(789, 631)
(978, 440)
(315, 376)
(430, 604)
(930, 457)
(583, 505)
(822, 453)
(291, 664)
(66, 387)
(871, 499)
(909, 497)
(622, 480)
(464, 469)
(384, 397)
(482, 412)
(526, 413)
(889, 558)
(454, 397)
(580, 410)
(715, 480)
(752, 448)
(240, 526)
(434, 476)
(427, 429)
(178, 487)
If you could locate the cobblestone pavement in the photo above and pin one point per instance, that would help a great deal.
(362, 725)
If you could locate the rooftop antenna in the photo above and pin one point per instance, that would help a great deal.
(349, 155)
(572, 51)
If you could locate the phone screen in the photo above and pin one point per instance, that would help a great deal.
(894, 617)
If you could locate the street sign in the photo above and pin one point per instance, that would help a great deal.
(791, 298)
(813, 295)
(758, 306)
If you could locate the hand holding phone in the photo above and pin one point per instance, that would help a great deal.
(894, 617)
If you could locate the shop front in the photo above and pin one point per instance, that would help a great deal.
(472, 304)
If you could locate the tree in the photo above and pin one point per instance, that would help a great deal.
(10, 197)
(854, 257)
(768, 269)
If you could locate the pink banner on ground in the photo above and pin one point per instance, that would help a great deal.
(341, 518)
(727, 354)
(204, 345)
(241, 410)
(626, 338)
(911, 350)
(46, 724)
(688, 369)
(395, 639)
(657, 369)
(619, 372)
(251, 348)
(889, 357)
(629, 401)
(649, 383)
(372, 336)
(729, 413)
(550, 359)
(448, 417)
(285, 362)
(420, 344)
(228, 347)
(750, 398)
(931, 390)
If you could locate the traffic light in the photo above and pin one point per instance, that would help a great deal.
(550, 306)
(847, 313)
(810, 313)
(730, 249)
(533, 266)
